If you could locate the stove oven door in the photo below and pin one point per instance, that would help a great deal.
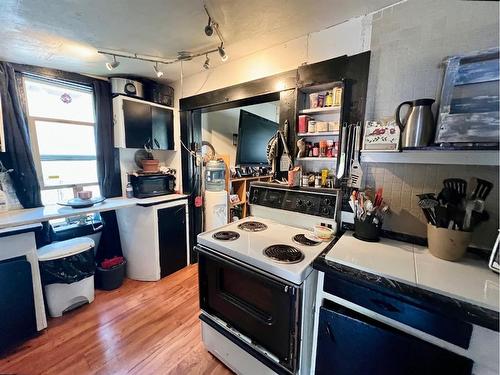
(259, 306)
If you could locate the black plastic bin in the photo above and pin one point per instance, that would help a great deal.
(110, 278)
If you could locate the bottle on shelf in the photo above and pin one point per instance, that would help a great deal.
(129, 190)
(329, 99)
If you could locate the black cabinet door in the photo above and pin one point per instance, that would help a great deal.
(17, 307)
(172, 239)
(163, 128)
(350, 343)
(138, 128)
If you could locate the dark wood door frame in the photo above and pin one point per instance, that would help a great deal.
(282, 87)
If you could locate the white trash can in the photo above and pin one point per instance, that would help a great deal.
(67, 270)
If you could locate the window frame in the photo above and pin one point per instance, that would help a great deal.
(37, 158)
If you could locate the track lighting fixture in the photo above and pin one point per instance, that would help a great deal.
(209, 30)
(157, 70)
(112, 65)
(222, 52)
(206, 65)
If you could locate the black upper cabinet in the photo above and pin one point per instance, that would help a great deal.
(138, 123)
(163, 130)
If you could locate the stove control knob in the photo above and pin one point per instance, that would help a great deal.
(299, 203)
(255, 198)
(325, 211)
(327, 201)
(309, 204)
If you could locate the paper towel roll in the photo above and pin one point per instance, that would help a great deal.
(215, 209)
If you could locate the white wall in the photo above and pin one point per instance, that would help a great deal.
(218, 127)
(408, 44)
(348, 38)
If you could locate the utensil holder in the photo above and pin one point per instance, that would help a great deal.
(446, 243)
(366, 230)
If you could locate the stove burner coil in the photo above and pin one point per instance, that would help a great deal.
(301, 239)
(284, 254)
(226, 235)
(252, 226)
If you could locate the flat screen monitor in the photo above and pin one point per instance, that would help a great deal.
(254, 133)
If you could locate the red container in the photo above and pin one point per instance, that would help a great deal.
(303, 120)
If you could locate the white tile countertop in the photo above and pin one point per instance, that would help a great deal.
(469, 279)
(27, 216)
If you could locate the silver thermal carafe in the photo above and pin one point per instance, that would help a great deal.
(418, 126)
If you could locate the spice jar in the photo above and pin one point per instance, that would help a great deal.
(311, 126)
(321, 100)
(315, 150)
(317, 181)
(322, 148)
(324, 176)
(329, 148)
(329, 99)
(305, 180)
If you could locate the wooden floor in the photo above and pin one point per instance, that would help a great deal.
(141, 328)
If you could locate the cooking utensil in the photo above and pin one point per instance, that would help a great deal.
(378, 197)
(349, 153)
(427, 203)
(469, 207)
(417, 128)
(482, 189)
(340, 172)
(356, 171)
(458, 187)
(285, 160)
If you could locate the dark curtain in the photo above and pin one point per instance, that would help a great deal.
(17, 140)
(18, 148)
(107, 169)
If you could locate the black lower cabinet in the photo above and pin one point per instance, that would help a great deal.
(17, 306)
(172, 239)
(350, 343)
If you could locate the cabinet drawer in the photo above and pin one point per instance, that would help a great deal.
(350, 343)
(451, 330)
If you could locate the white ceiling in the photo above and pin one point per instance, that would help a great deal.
(65, 34)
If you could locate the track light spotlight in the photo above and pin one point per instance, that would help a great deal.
(222, 52)
(206, 65)
(112, 65)
(209, 30)
(157, 70)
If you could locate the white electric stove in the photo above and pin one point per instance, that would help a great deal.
(282, 250)
(257, 284)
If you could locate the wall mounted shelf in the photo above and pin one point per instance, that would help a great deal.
(314, 158)
(453, 157)
(320, 134)
(319, 111)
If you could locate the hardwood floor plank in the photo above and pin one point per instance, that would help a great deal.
(140, 328)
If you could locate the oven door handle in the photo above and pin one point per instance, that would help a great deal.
(249, 309)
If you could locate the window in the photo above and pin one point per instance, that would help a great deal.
(62, 130)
